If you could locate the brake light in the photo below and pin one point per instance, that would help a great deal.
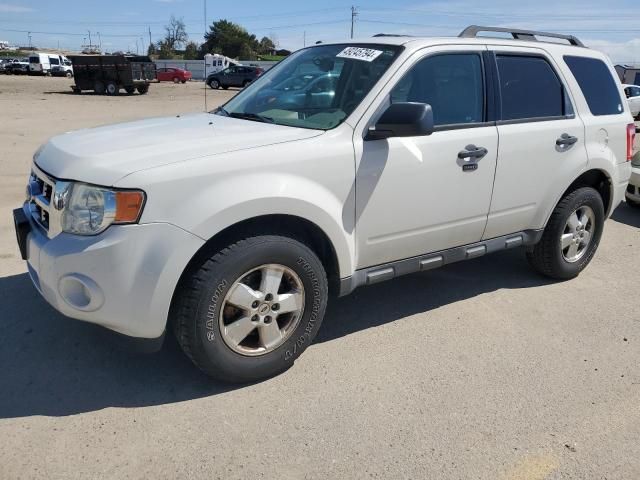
(631, 136)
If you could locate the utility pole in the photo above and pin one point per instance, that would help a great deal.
(29, 35)
(150, 42)
(304, 39)
(90, 38)
(354, 14)
(99, 41)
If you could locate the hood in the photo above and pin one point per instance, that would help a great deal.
(104, 155)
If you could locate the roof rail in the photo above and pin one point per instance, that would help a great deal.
(390, 35)
(530, 35)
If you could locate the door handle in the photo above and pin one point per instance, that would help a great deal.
(566, 140)
(472, 152)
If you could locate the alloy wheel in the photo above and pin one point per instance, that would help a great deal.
(577, 235)
(262, 309)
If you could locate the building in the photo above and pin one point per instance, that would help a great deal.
(629, 74)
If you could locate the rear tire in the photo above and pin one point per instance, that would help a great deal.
(582, 209)
(214, 84)
(176, 80)
(112, 89)
(130, 90)
(203, 309)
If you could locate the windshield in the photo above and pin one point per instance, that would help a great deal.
(316, 88)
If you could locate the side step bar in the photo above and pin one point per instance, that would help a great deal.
(387, 271)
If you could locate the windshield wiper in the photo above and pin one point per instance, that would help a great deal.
(221, 110)
(252, 116)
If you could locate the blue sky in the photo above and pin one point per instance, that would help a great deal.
(613, 27)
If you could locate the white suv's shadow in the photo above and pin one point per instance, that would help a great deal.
(55, 366)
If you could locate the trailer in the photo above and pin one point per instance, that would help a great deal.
(110, 73)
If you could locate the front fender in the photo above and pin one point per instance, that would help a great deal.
(288, 195)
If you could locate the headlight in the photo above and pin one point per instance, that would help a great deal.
(89, 210)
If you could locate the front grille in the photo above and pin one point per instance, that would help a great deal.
(40, 192)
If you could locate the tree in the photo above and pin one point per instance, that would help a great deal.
(175, 33)
(231, 40)
(152, 50)
(191, 51)
(267, 47)
(165, 52)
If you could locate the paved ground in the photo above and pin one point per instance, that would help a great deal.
(480, 370)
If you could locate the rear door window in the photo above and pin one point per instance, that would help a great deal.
(530, 88)
(597, 84)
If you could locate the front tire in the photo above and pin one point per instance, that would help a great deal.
(571, 236)
(247, 312)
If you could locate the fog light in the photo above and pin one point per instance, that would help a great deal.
(80, 292)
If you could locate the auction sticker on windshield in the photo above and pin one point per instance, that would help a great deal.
(359, 53)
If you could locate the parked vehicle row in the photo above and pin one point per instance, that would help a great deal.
(40, 63)
(43, 63)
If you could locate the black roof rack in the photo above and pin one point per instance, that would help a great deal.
(530, 35)
(389, 35)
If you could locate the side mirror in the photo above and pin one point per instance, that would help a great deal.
(405, 119)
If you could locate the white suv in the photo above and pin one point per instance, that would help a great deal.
(234, 226)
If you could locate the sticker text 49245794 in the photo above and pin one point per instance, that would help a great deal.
(359, 53)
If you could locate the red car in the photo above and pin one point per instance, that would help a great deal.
(174, 75)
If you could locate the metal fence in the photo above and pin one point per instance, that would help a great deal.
(197, 67)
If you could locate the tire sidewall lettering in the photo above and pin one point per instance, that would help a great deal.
(212, 314)
(316, 306)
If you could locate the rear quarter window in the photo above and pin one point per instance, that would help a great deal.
(597, 84)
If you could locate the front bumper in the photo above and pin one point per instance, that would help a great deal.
(633, 190)
(122, 279)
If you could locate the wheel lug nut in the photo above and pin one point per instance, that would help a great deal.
(255, 318)
(267, 319)
(268, 297)
(255, 304)
(275, 307)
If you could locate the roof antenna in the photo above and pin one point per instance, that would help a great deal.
(206, 109)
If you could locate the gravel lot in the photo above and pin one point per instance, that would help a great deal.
(480, 370)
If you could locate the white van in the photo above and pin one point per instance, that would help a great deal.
(215, 63)
(42, 63)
